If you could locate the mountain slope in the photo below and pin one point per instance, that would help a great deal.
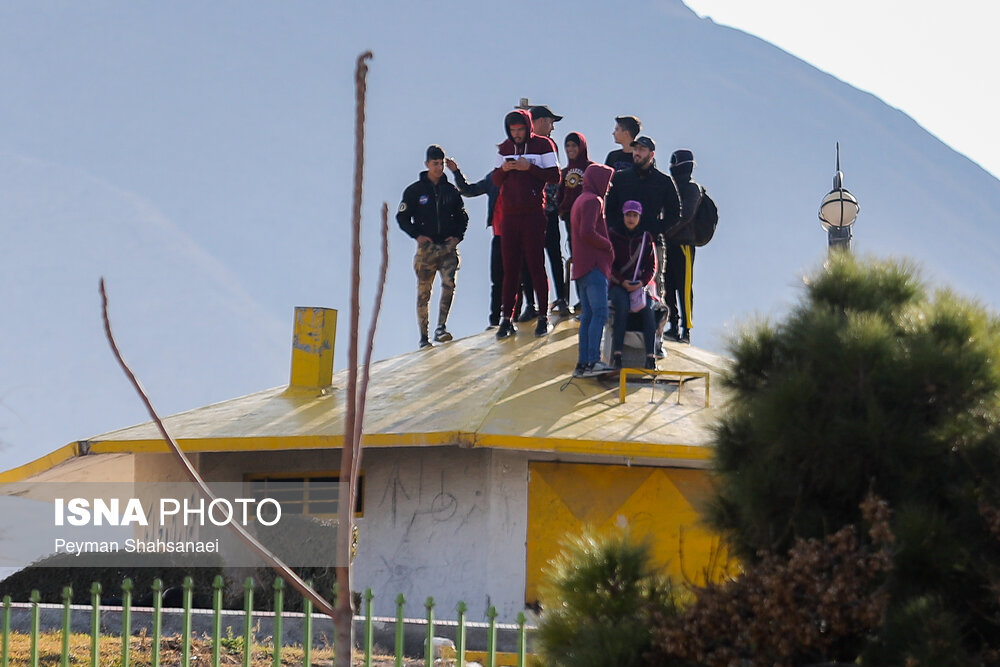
(190, 330)
(234, 122)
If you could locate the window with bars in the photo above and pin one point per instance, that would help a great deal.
(312, 495)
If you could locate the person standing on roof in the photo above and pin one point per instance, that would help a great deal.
(653, 189)
(593, 255)
(485, 186)
(433, 214)
(571, 182)
(525, 163)
(543, 121)
(679, 275)
(627, 128)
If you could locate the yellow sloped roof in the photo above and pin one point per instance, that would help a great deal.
(476, 391)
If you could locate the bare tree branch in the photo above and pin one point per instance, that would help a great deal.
(273, 561)
(383, 272)
(343, 626)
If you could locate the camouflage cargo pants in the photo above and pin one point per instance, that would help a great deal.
(432, 258)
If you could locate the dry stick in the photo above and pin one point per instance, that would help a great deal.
(343, 625)
(276, 564)
(351, 422)
(370, 346)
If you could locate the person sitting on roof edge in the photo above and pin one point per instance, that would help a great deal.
(633, 268)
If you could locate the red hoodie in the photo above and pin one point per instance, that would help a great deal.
(571, 184)
(523, 191)
(588, 226)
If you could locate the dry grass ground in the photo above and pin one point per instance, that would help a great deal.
(50, 651)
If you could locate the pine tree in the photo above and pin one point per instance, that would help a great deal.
(599, 601)
(871, 384)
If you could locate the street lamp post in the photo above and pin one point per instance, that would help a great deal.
(838, 211)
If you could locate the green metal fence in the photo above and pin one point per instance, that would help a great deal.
(218, 584)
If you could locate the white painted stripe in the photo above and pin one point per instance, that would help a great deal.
(544, 161)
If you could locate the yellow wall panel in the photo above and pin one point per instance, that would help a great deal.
(655, 503)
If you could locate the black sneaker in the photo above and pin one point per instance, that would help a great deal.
(529, 314)
(560, 307)
(542, 328)
(616, 361)
(671, 334)
(685, 336)
(650, 363)
(506, 329)
(658, 350)
(425, 343)
(442, 335)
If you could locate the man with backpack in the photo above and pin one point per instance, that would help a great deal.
(681, 239)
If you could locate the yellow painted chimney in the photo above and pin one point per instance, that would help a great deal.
(313, 337)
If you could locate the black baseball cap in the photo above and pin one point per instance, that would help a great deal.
(681, 157)
(542, 111)
(644, 141)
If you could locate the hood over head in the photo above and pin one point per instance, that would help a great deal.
(597, 179)
(682, 164)
(522, 117)
(582, 158)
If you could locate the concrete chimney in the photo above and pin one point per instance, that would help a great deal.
(313, 336)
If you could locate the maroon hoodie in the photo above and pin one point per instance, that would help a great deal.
(571, 184)
(523, 191)
(588, 226)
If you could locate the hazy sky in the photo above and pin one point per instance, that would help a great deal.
(934, 60)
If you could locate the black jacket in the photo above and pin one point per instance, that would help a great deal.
(486, 186)
(432, 210)
(651, 188)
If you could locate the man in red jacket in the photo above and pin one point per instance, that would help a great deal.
(525, 163)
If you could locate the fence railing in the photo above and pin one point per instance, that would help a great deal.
(490, 657)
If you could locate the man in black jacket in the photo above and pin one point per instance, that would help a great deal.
(433, 214)
(650, 187)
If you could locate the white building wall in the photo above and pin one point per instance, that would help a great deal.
(446, 522)
(426, 529)
(504, 575)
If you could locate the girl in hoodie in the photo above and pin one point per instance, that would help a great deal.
(592, 257)
(632, 246)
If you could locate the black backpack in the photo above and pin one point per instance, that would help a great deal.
(706, 218)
